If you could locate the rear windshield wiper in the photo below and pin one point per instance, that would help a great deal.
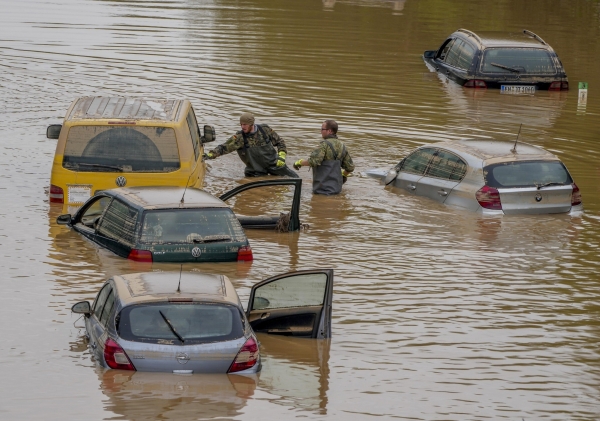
(112, 167)
(539, 186)
(212, 239)
(502, 66)
(171, 327)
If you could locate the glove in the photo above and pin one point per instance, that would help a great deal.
(298, 164)
(346, 174)
(281, 159)
(210, 155)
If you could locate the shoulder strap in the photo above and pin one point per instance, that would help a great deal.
(332, 148)
(262, 132)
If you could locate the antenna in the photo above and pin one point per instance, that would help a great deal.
(184, 190)
(514, 149)
(179, 284)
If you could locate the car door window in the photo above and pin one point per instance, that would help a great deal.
(467, 52)
(101, 300)
(92, 212)
(446, 165)
(119, 223)
(416, 162)
(444, 50)
(454, 53)
(194, 132)
(297, 291)
(108, 306)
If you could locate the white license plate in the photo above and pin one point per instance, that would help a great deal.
(79, 194)
(517, 89)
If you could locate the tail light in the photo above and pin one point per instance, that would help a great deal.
(56, 194)
(245, 254)
(489, 198)
(575, 195)
(116, 357)
(140, 255)
(475, 83)
(246, 358)
(559, 86)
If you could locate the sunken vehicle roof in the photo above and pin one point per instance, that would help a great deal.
(120, 108)
(166, 197)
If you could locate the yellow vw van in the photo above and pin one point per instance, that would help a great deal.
(105, 143)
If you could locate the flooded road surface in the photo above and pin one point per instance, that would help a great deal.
(438, 313)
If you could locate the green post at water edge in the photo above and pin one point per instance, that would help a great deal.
(583, 85)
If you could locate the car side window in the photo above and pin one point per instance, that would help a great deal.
(194, 132)
(447, 166)
(119, 223)
(454, 53)
(416, 162)
(94, 210)
(110, 302)
(444, 50)
(467, 52)
(101, 300)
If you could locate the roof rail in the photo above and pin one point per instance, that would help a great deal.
(531, 34)
(469, 33)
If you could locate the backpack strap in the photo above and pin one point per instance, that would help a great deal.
(262, 132)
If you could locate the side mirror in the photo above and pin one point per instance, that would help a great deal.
(64, 219)
(82, 307)
(429, 54)
(209, 134)
(53, 131)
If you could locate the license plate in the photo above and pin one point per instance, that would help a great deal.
(517, 89)
(79, 194)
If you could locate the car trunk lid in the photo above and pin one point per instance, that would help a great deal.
(531, 200)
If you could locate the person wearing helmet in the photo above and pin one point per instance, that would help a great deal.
(255, 145)
(331, 163)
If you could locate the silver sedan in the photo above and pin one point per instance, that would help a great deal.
(195, 323)
(488, 176)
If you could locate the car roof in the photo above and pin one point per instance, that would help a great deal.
(494, 151)
(123, 108)
(161, 286)
(506, 39)
(167, 197)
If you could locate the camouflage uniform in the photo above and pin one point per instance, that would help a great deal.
(257, 151)
(327, 162)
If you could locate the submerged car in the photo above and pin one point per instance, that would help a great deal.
(514, 63)
(106, 143)
(192, 322)
(174, 224)
(488, 176)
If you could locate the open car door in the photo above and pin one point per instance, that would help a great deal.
(270, 222)
(293, 304)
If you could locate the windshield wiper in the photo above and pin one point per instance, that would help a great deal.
(539, 186)
(171, 327)
(502, 66)
(212, 239)
(112, 167)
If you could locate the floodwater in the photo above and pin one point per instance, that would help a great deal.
(438, 313)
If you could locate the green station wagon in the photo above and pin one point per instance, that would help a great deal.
(172, 224)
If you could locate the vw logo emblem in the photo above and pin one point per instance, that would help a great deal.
(196, 252)
(538, 197)
(182, 358)
(121, 181)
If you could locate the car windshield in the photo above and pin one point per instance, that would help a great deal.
(517, 60)
(207, 225)
(177, 323)
(121, 149)
(527, 174)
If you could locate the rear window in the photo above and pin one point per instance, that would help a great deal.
(527, 174)
(116, 149)
(194, 322)
(207, 225)
(517, 60)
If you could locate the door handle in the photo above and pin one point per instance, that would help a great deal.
(442, 192)
(93, 345)
(265, 315)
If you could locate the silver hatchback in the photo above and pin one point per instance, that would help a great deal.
(488, 176)
(194, 323)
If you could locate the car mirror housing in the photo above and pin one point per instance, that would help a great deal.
(429, 54)
(209, 134)
(53, 131)
(64, 219)
(82, 307)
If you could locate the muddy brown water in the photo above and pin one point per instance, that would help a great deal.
(438, 313)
